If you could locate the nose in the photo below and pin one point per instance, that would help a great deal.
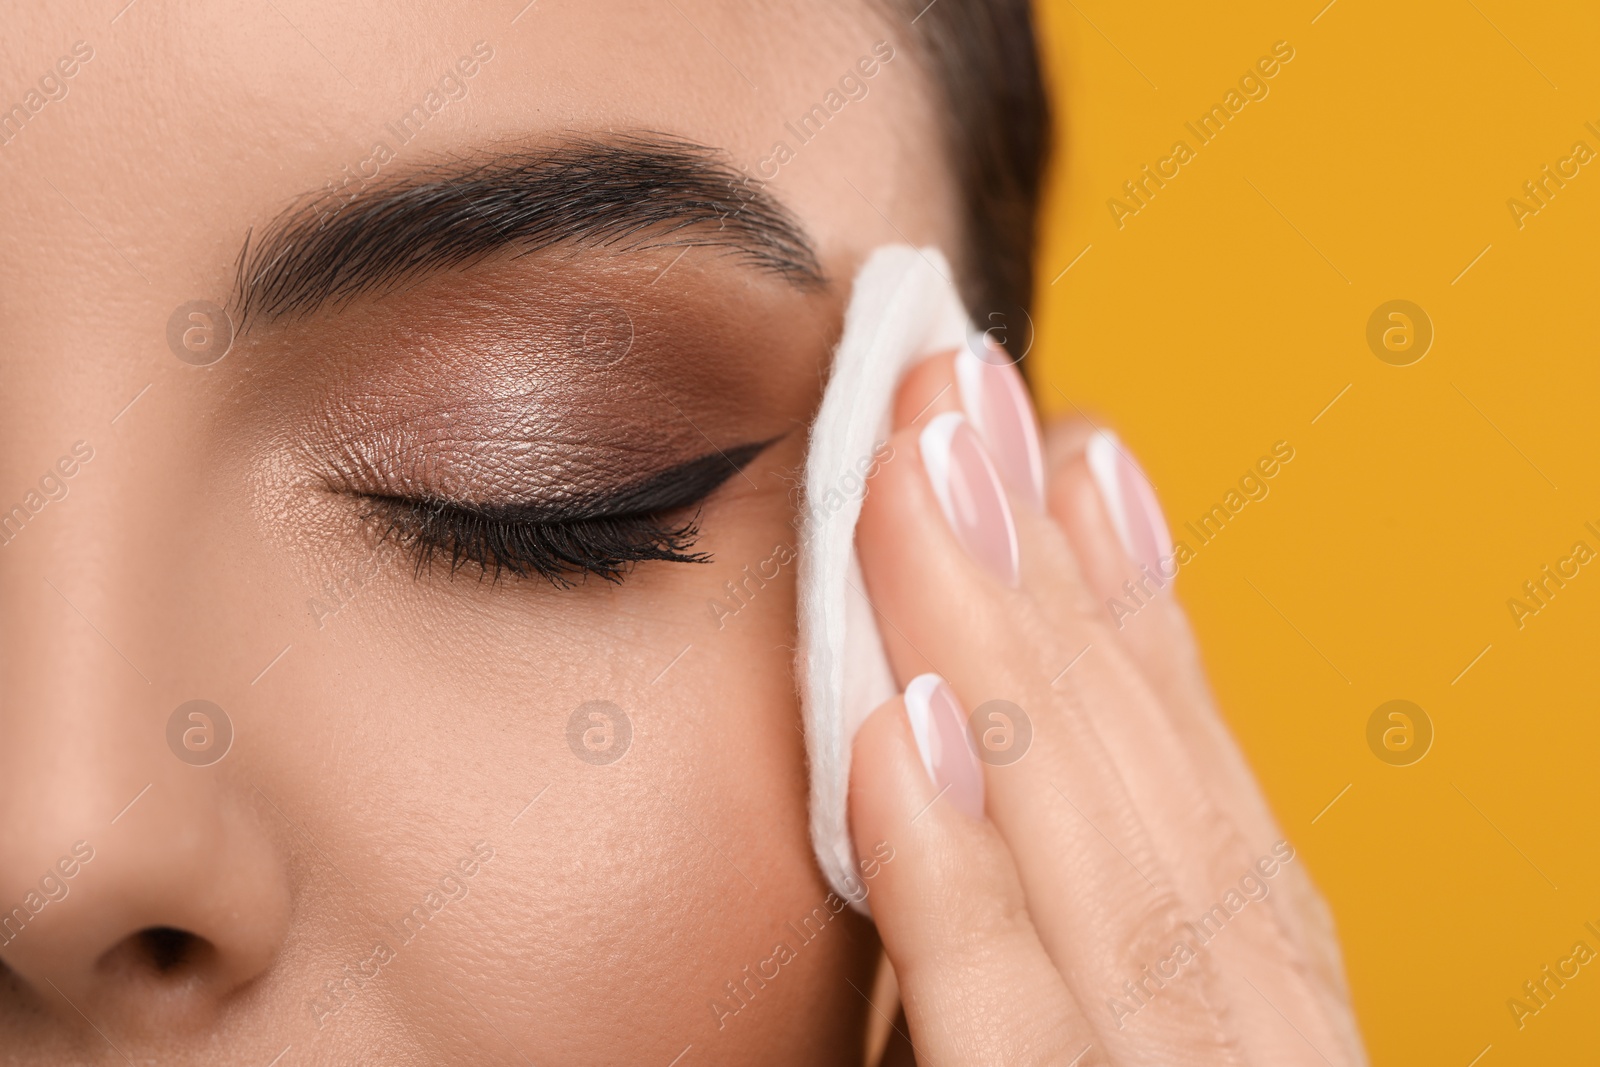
(138, 889)
(149, 922)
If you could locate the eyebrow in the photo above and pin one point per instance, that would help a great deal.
(625, 193)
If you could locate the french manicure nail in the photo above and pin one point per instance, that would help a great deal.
(997, 403)
(1135, 512)
(944, 743)
(970, 493)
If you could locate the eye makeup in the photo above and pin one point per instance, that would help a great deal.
(469, 420)
(602, 534)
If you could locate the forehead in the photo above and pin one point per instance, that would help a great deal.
(151, 139)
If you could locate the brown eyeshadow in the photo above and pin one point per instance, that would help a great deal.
(547, 378)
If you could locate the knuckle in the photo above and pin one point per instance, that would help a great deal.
(1161, 962)
(1149, 936)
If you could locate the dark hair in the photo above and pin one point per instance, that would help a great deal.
(983, 59)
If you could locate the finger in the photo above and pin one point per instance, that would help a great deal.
(1212, 864)
(928, 389)
(1139, 601)
(992, 389)
(1096, 492)
(1101, 497)
(993, 396)
(1097, 887)
(1188, 810)
(975, 981)
(1125, 552)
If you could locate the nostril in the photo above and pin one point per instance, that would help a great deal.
(161, 952)
(168, 949)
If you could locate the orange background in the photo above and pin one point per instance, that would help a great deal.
(1227, 314)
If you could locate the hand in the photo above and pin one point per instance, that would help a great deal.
(1119, 894)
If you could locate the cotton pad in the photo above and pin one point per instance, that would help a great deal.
(902, 307)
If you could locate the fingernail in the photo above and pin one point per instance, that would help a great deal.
(1135, 512)
(970, 493)
(996, 400)
(940, 729)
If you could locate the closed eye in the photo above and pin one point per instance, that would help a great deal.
(604, 534)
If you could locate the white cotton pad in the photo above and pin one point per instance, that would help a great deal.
(902, 307)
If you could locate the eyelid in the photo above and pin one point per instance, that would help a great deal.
(558, 552)
(668, 490)
(602, 534)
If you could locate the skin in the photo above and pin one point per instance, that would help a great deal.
(411, 716)
(403, 739)
(1127, 819)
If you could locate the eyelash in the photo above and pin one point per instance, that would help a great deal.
(560, 552)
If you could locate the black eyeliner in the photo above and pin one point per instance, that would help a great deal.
(667, 490)
(603, 534)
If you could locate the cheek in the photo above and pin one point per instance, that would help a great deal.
(637, 770)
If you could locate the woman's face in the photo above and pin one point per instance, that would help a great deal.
(461, 814)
